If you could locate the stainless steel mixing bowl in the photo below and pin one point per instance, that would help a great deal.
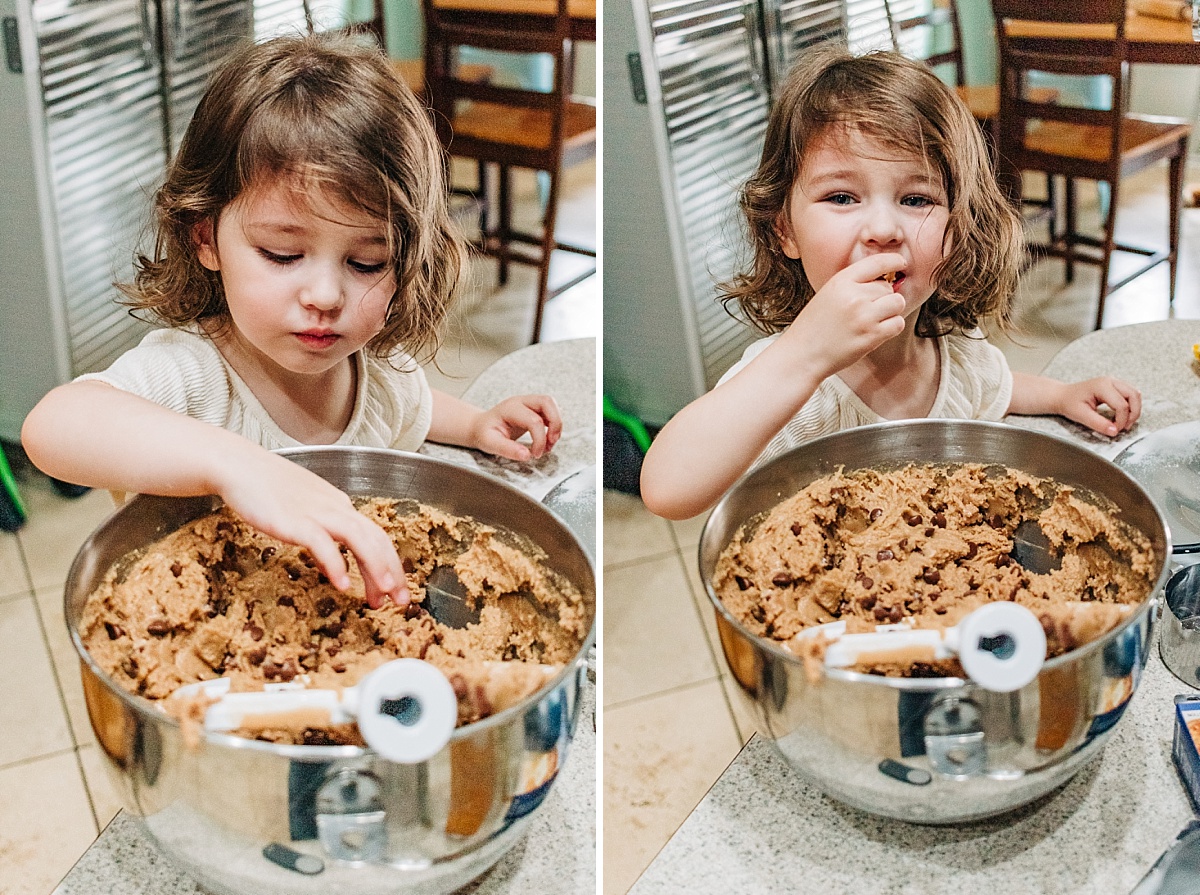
(936, 750)
(250, 818)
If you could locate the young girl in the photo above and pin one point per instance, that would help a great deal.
(880, 242)
(305, 254)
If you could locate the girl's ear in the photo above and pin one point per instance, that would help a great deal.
(204, 238)
(783, 231)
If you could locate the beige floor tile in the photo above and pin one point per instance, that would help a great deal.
(653, 639)
(631, 532)
(45, 824)
(661, 755)
(66, 663)
(13, 578)
(32, 721)
(687, 534)
(740, 707)
(98, 780)
(56, 528)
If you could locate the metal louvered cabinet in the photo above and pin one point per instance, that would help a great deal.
(95, 93)
(688, 86)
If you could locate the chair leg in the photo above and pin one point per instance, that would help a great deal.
(1110, 221)
(1071, 224)
(1175, 185)
(548, 243)
(1051, 209)
(484, 197)
(505, 228)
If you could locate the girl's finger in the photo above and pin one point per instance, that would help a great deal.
(526, 419)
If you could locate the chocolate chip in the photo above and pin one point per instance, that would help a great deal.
(903, 545)
(933, 595)
(867, 583)
(482, 703)
(305, 557)
(940, 610)
(331, 628)
(875, 514)
(913, 519)
(321, 579)
(333, 649)
(413, 610)
(881, 613)
(158, 627)
(267, 553)
(325, 606)
(339, 667)
(293, 573)
(113, 631)
(407, 565)
(939, 519)
(314, 736)
(895, 615)
(287, 600)
(972, 551)
(931, 576)
(868, 602)
(797, 528)
(884, 555)
(1003, 560)
(929, 532)
(176, 569)
(742, 583)
(459, 683)
(781, 579)
(997, 521)
(256, 655)
(255, 632)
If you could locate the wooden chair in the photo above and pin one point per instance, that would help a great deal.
(1072, 142)
(511, 127)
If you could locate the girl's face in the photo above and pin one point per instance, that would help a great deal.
(853, 198)
(307, 282)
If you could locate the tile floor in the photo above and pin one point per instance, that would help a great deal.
(56, 795)
(672, 720)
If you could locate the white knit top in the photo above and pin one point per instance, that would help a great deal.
(975, 384)
(184, 371)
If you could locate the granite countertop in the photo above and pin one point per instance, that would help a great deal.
(564, 370)
(762, 828)
(558, 854)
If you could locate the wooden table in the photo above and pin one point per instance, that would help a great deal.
(1151, 40)
(583, 12)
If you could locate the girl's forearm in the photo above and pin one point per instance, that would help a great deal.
(709, 444)
(1034, 395)
(94, 434)
(453, 420)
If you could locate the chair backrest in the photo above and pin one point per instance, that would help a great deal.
(930, 34)
(1033, 37)
(452, 25)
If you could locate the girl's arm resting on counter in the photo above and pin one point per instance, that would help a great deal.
(97, 435)
(1078, 401)
(712, 441)
(496, 431)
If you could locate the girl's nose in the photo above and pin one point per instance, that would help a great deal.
(882, 225)
(323, 290)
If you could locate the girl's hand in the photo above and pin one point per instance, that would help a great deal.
(496, 431)
(851, 315)
(1080, 401)
(287, 501)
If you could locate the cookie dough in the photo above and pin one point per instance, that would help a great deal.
(928, 544)
(218, 598)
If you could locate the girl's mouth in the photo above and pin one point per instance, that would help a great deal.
(893, 278)
(316, 339)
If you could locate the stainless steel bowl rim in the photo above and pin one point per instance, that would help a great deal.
(151, 709)
(935, 683)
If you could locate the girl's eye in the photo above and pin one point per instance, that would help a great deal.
(917, 201)
(277, 258)
(840, 199)
(363, 267)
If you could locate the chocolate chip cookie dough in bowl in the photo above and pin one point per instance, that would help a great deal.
(314, 810)
(906, 735)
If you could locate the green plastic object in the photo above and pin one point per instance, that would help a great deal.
(630, 423)
(12, 510)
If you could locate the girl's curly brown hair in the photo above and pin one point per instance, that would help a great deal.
(904, 106)
(328, 113)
